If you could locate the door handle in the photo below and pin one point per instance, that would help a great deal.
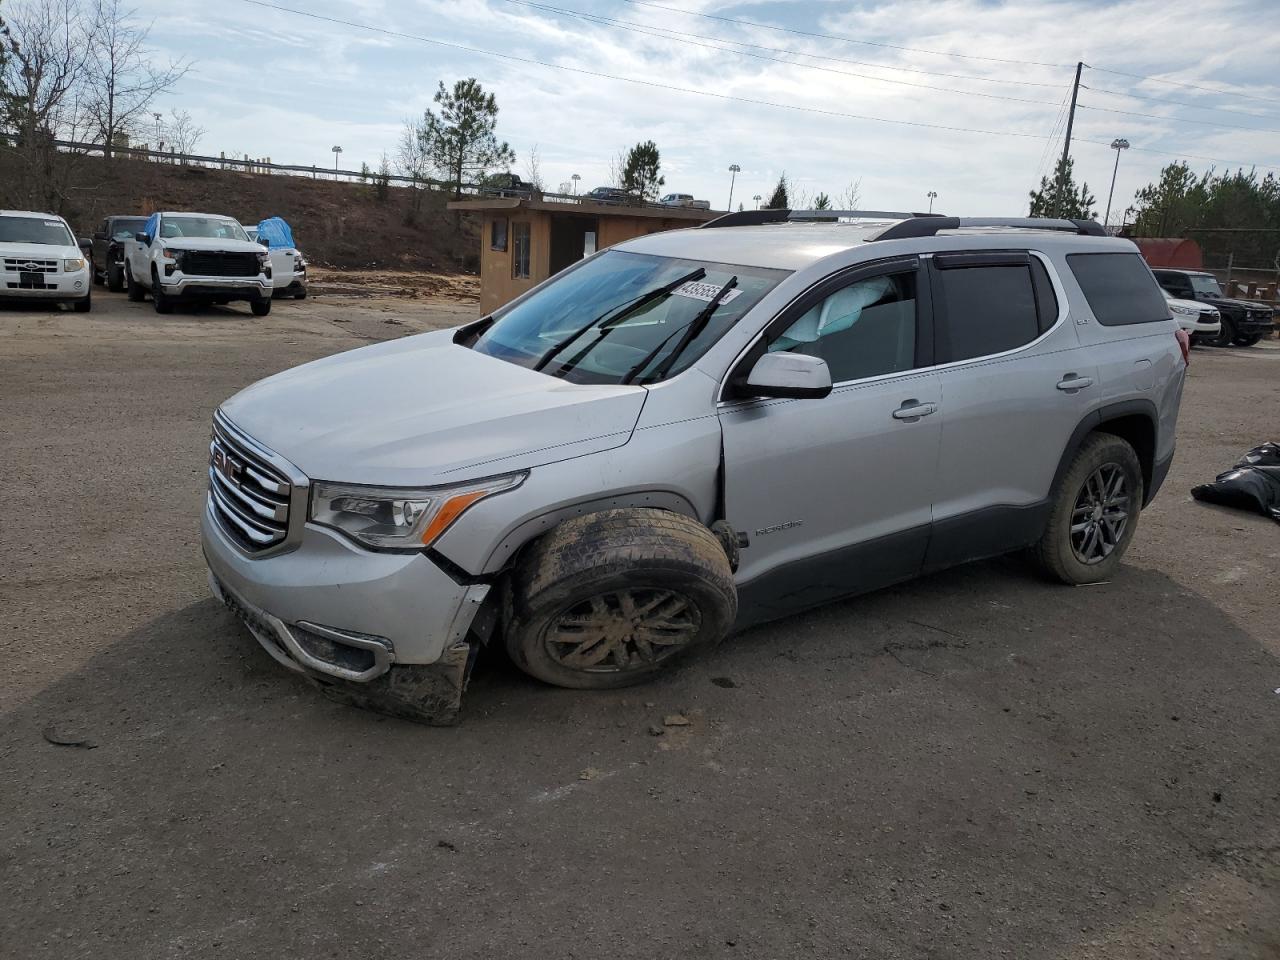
(913, 410)
(1070, 382)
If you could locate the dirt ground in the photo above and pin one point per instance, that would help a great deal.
(977, 764)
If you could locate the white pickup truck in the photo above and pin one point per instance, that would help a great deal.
(200, 257)
(288, 268)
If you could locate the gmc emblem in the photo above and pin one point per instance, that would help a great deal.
(228, 466)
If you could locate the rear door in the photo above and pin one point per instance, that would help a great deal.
(834, 494)
(1015, 384)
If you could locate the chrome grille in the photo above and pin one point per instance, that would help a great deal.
(250, 497)
(23, 265)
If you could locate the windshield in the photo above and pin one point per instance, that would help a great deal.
(1205, 285)
(125, 229)
(214, 228)
(49, 232)
(626, 317)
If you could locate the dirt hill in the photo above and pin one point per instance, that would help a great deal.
(339, 223)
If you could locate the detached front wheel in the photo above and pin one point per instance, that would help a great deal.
(614, 598)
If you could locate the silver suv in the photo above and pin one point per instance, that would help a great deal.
(688, 433)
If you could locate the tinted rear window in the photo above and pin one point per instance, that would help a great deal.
(1119, 288)
(987, 310)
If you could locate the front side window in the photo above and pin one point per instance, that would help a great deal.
(211, 228)
(520, 258)
(37, 230)
(498, 234)
(866, 329)
(985, 310)
(625, 317)
(1119, 287)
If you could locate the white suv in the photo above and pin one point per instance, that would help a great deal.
(40, 259)
(688, 433)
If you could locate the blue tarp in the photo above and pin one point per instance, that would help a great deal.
(276, 232)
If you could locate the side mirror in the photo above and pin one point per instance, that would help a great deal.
(142, 238)
(790, 376)
(86, 246)
(264, 241)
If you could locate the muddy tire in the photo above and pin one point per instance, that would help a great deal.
(617, 597)
(1094, 514)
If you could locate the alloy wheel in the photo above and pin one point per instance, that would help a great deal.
(623, 630)
(1100, 515)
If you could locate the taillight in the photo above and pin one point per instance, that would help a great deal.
(1184, 344)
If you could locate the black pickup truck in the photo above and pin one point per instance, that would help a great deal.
(1244, 322)
(107, 259)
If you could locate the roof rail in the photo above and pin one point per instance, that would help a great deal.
(930, 226)
(754, 218)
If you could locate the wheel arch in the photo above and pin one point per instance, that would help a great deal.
(1134, 421)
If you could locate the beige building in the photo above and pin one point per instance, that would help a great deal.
(522, 242)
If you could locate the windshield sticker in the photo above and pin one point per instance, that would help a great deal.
(706, 292)
(52, 223)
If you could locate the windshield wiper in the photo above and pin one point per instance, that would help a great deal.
(615, 313)
(691, 330)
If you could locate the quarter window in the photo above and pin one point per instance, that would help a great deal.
(520, 245)
(498, 234)
(986, 310)
(863, 330)
(1119, 287)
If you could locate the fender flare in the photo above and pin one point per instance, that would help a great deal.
(1095, 419)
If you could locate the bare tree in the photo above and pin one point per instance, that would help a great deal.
(413, 160)
(121, 80)
(616, 167)
(533, 169)
(183, 133)
(851, 196)
(42, 73)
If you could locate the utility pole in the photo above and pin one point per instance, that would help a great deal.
(1118, 144)
(1071, 118)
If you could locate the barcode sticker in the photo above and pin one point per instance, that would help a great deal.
(705, 292)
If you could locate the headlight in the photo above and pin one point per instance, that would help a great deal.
(385, 518)
(170, 254)
(71, 266)
(1184, 311)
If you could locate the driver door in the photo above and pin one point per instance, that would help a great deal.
(834, 495)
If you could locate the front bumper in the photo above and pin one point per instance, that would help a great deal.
(57, 286)
(1203, 328)
(1247, 326)
(400, 608)
(291, 284)
(232, 288)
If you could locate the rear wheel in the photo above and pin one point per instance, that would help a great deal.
(1247, 341)
(1094, 513)
(134, 292)
(615, 598)
(301, 294)
(1226, 336)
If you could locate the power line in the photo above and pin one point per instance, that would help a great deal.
(667, 32)
(1203, 123)
(1053, 135)
(1189, 86)
(830, 36)
(1188, 156)
(1175, 103)
(280, 8)
(622, 25)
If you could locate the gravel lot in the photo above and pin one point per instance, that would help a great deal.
(977, 764)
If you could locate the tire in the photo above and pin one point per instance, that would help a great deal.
(161, 299)
(98, 278)
(84, 304)
(1247, 341)
(115, 278)
(261, 307)
(132, 289)
(1226, 336)
(301, 294)
(595, 576)
(1074, 557)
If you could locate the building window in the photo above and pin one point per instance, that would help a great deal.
(520, 261)
(498, 234)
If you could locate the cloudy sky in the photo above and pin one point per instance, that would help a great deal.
(962, 97)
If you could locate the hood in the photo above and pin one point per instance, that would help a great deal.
(1239, 304)
(210, 243)
(40, 251)
(423, 411)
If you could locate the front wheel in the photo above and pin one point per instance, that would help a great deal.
(133, 291)
(614, 598)
(158, 297)
(84, 304)
(1094, 512)
(1226, 336)
(115, 278)
(261, 307)
(1247, 341)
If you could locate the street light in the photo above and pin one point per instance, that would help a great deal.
(1118, 144)
(336, 150)
(932, 195)
(575, 178)
(734, 170)
(756, 198)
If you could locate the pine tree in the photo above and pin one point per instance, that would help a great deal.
(1060, 197)
(779, 199)
(461, 141)
(641, 173)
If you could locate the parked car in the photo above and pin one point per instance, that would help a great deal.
(609, 195)
(288, 265)
(40, 259)
(1243, 322)
(687, 433)
(506, 185)
(684, 200)
(107, 259)
(1200, 321)
(197, 257)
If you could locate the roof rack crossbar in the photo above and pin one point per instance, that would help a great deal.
(755, 218)
(931, 226)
